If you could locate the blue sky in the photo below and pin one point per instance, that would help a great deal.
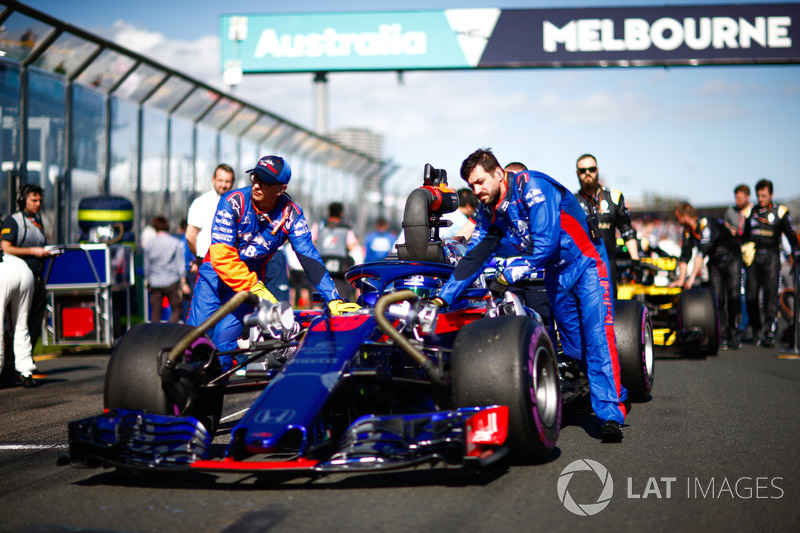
(689, 133)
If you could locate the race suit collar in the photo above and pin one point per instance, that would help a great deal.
(503, 190)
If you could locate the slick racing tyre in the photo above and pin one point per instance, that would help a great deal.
(634, 334)
(133, 381)
(697, 310)
(510, 361)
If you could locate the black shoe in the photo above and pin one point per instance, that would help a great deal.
(769, 342)
(611, 431)
(28, 382)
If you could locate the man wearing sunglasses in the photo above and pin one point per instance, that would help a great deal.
(607, 208)
(250, 225)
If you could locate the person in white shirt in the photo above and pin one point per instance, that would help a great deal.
(201, 212)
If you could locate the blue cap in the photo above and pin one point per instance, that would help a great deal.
(272, 169)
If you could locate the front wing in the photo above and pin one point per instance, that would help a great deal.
(146, 441)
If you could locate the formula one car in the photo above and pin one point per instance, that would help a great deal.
(684, 321)
(392, 385)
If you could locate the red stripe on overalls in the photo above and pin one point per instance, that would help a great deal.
(575, 230)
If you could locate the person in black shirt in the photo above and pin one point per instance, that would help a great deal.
(607, 207)
(713, 240)
(764, 227)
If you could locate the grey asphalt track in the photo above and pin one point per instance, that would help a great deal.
(715, 449)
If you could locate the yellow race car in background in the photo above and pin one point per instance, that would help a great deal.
(684, 320)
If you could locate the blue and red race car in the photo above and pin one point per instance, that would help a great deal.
(391, 385)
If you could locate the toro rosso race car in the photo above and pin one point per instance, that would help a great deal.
(388, 386)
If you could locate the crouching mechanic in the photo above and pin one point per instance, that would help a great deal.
(713, 240)
(250, 225)
(545, 224)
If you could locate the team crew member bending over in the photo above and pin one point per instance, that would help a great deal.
(531, 215)
(249, 226)
(713, 240)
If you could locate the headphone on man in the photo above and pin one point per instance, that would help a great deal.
(24, 191)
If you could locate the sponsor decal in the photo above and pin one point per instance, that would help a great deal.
(274, 416)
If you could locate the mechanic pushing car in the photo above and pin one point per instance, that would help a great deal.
(607, 207)
(530, 213)
(763, 228)
(713, 239)
(250, 225)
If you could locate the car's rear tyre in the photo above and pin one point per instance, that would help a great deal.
(510, 361)
(697, 308)
(634, 333)
(132, 378)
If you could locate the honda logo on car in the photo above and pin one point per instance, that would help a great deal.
(662, 487)
(274, 416)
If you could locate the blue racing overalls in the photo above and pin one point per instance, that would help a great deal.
(243, 240)
(543, 224)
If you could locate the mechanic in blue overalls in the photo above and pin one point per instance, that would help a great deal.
(249, 226)
(531, 215)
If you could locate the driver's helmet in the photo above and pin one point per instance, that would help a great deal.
(422, 286)
(453, 250)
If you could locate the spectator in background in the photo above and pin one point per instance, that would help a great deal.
(16, 290)
(165, 272)
(378, 243)
(201, 213)
(191, 278)
(467, 204)
(23, 236)
(606, 207)
(764, 227)
(336, 243)
(148, 234)
(736, 214)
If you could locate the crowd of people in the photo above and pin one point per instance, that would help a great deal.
(554, 247)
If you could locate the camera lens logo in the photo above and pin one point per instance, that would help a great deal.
(587, 509)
